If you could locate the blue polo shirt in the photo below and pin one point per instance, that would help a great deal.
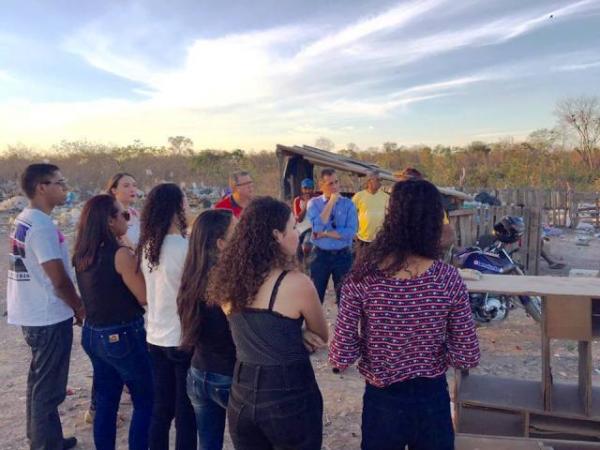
(343, 219)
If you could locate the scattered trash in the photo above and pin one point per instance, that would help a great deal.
(14, 204)
(585, 227)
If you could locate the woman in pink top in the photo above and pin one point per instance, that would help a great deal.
(415, 320)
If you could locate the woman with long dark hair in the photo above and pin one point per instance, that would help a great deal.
(205, 330)
(161, 252)
(414, 318)
(113, 336)
(275, 401)
(123, 187)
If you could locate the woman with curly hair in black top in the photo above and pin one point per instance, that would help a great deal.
(161, 253)
(275, 401)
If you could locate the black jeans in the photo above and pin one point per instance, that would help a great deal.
(47, 382)
(330, 263)
(275, 407)
(414, 413)
(170, 367)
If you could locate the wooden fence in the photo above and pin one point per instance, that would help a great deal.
(470, 224)
(562, 208)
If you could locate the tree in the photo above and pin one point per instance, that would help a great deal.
(582, 115)
(325, 144)
(180, 145)
(544, 139)
(389, 147)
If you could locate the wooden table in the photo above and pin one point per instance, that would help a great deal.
(516, 407)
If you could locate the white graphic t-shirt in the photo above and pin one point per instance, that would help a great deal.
(34, 240)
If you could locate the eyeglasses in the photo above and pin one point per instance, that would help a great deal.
(62, 182)
(247, 183)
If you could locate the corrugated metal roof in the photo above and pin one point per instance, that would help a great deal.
(325, 158)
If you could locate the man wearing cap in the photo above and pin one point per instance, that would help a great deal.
(371, 205)
(242, 192)
(303, 225)
(334, 224)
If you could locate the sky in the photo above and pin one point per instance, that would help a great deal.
(251, 74)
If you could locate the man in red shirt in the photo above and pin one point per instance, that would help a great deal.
(242, 192)
(300, 202)
(303, 224)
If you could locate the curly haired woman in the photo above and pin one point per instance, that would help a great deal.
(161, 252)
(275, 401)
(415, 320)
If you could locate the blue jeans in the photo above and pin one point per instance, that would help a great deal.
(119, 356)
(209, 394)
(330, 263)
(414, 413)
(47, 382)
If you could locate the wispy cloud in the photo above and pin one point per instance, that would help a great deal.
(575, 67)
(387, 21)
(316, 76)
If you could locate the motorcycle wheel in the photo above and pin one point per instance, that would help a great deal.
(533, 306)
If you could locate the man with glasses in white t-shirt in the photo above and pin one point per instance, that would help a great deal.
(41, 298)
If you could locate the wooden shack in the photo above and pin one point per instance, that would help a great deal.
(297, 163)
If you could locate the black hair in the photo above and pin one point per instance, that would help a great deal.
(35, 174)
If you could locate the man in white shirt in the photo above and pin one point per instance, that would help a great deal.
(42, 300)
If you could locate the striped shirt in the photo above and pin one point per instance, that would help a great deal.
(408, 328)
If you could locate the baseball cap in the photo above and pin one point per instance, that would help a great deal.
(307, 183)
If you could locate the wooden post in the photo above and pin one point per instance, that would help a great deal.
(585, 376)
(546, 359)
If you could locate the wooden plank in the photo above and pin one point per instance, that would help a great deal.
(536, 285)
(553, 426)
(518, 395)
(568, 318)
(473, 442)
(585, 377)
(548, 444)
(546, 385)
(491, 422)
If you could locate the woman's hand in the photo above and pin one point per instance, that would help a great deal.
(312, 341)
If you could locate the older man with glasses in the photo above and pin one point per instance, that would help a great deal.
(371, 205)
(334, 223)
(242, 192)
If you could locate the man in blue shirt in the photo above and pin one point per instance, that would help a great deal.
(334, 224)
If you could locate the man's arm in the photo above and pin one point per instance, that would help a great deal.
(63, 286)
(326, 213)
(314, 217)
(350, 225)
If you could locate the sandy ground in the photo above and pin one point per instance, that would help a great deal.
(508, 349)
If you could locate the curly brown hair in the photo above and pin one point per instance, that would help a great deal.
(164, 203)
(412, 227)
(252, 252)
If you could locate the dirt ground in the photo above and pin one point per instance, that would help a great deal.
(508, 349)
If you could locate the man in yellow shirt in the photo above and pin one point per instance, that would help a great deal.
(371, 206)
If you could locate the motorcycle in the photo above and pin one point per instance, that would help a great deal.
(491, 256)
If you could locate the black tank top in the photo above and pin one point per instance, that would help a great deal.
(107, 300)
(266, 337)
